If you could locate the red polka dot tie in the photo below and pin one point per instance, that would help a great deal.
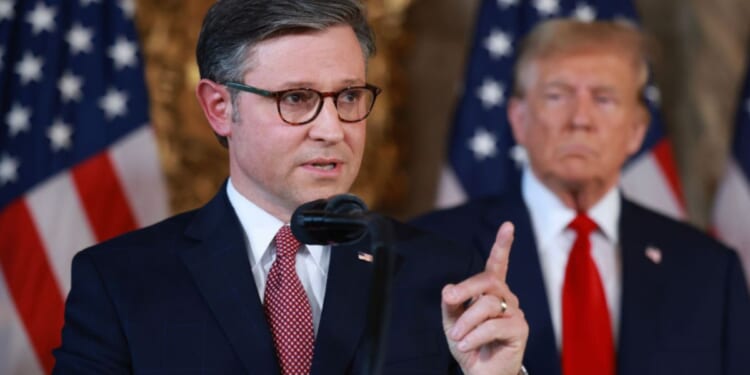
(587, 344)
(288, 309)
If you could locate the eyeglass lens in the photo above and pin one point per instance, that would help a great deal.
(299, 106)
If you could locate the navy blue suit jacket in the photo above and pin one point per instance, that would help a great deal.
(179, 298)
(690, 314)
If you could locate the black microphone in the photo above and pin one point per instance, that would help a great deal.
(344, 219)
(340, 219)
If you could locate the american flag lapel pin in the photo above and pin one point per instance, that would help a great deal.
(365, 257)
(653, 254)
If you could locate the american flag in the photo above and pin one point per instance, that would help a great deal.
(483, 156)
(732, 207)
(78, 160)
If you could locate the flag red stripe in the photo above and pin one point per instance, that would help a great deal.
(103, 197)
(663, 154)
(31, 281)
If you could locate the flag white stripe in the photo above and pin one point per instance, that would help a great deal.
(56, 199)
(643, 182)
(16, 353)
(731, 213)
(136, 163)
(449, 191)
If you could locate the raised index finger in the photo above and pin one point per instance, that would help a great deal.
(497, 262)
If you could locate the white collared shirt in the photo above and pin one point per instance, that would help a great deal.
(550, 219)
(260, 228)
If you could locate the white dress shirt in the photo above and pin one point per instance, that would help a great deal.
(260, 228)
(554, 240)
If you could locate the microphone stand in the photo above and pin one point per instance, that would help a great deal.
(344, 219)
(379, 307)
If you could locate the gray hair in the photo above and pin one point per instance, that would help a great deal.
(232, 28)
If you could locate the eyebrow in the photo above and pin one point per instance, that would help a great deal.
(605, 89)
(309, 84)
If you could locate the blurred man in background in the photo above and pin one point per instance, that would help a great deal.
(609, 287)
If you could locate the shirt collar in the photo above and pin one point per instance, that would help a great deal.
(606, 213)
(549, 216)
(260, 227)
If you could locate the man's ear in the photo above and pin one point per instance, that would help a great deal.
(517, 116)
(217, 106)
(642, 120)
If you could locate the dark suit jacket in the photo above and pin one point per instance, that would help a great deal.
(690, 314)
(179, 298)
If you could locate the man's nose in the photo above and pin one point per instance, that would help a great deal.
(327, 126)
(582, 112)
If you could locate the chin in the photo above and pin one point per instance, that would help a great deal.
(314, 193)
(576, 169)
(574, 180)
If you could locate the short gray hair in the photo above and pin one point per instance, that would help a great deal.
(232, 28)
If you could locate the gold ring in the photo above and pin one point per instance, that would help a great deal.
(503, 305)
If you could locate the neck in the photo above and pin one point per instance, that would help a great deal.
(579, 196)
(579, 200)
(268, 203)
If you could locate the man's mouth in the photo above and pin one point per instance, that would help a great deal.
(324, 166)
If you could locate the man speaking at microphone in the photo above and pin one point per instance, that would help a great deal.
(227, 289)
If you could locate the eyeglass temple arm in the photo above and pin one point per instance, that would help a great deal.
(247, 88)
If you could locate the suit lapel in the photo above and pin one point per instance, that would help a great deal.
(526, 281)
(342, 322)
(220, 267)
(642, 291)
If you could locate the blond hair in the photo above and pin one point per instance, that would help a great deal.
(568, 36)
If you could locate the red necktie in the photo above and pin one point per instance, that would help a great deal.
(288, 309)
(587, 344)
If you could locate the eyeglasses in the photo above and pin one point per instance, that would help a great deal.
(301, 106)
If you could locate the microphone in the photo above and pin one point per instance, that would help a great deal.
(340, 219)
(343, 219)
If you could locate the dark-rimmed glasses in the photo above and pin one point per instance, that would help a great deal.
(301, 106)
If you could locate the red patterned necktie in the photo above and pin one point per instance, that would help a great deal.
(587, 344)
(288, 309)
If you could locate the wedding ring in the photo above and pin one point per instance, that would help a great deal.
(503, 305)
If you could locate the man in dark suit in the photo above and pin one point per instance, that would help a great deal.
(226, 289)
(609, 287)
